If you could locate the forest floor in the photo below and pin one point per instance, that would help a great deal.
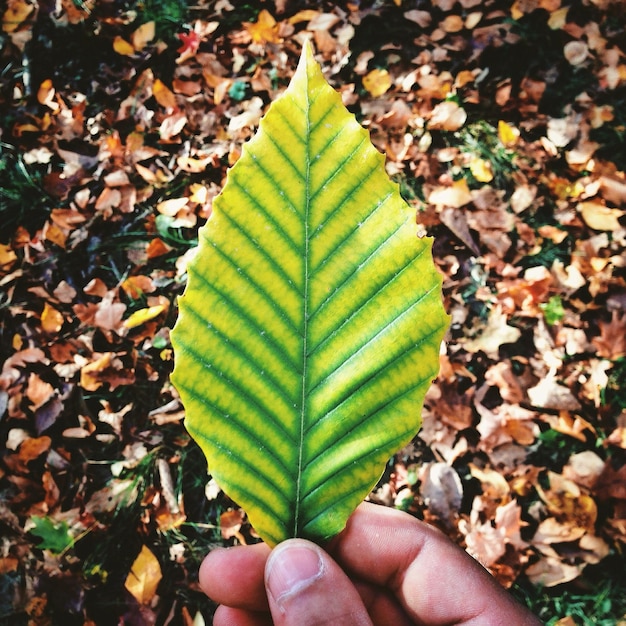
(504, 123)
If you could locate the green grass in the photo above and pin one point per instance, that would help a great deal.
(598, 598)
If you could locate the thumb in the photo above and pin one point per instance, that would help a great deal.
(305, 587)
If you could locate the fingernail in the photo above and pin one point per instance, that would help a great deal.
(290, 569)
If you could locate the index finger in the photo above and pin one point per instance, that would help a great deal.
(434, 580)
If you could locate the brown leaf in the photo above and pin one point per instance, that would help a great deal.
(611, 344)
(38, 391)
(230, 524)
(33, 447)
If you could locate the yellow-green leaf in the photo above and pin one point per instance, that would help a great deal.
(310, 328)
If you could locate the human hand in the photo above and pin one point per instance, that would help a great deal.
(386, 568)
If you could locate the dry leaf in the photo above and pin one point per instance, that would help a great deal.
(123, 47)
(143, 35)
(496, 333)
(611, 344)
(163, 94)
(51, 320)
(447, 115)
(600, 217)
(38, 391)
(455, 195)
(576, 52)
(264, 30)
(377, 82)
(144, 576)
(16, 13)
(230, 524)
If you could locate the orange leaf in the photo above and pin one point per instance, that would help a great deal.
(51, 319)
(33, 447)
(157, 247)
(121, 46)
(144, 576)
(264, 30)
(38, 391)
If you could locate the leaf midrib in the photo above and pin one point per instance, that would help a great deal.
(305, 299)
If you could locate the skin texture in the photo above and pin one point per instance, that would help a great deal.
(385, 568)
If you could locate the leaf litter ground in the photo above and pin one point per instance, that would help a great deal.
(503, 124)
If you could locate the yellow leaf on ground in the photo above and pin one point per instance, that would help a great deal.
(163, 94)
(377, 82)
(16, 12)
(143, 315)
(123, 47)
(508, 135)
(7, 255)
(481, 170)
(143, 35)
(51, 319)
(144, 576)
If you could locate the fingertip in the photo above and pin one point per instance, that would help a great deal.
(305, 586)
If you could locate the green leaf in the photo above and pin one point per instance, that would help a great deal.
(55, 536)
(311, 325)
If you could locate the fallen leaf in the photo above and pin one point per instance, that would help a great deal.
(163, 94)
(16, 13)
(38, 391)
(447, 115)
(33, 447)
(123, 47)
(89, 379)
(455, 195)
(230, 524)
(576, 52)
(568, 424)
(377, 82)
(611, 344)
(143, 315)
(143, 35)
(481, 169)
(548, 393)
(600, 217)
(264, 30)
(51, 319)
(144, 576)
(496, 333)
